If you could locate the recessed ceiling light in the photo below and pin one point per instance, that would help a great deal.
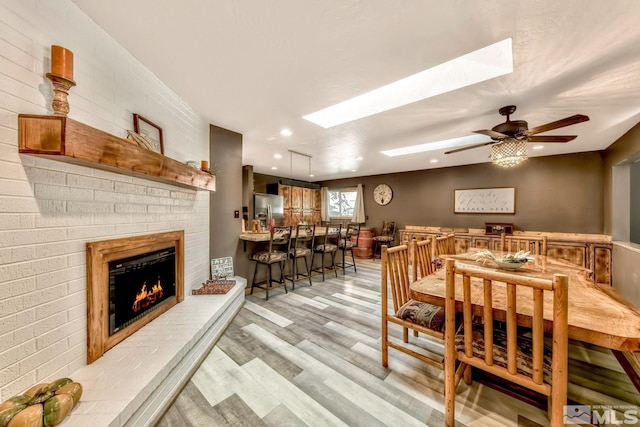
(311, 175)
(436, 145)
(353, 170)
(286, 132)
(277, 156)
(275, 168)
(483, 64)
(538, 147)
(433, 161)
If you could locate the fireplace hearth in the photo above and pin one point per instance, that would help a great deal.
(131, 281)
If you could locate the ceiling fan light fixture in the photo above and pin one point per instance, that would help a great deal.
(509, 153)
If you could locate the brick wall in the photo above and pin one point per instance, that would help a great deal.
(49, 209)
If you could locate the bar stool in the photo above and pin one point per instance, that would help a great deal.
(328, 245)
(300, 247)
(278, 239)
(345, 244)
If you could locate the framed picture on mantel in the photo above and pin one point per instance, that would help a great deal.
(151, 132)
(485, 200)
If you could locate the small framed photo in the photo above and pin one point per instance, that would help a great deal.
(150, 131)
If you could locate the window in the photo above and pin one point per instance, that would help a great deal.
(342, 202)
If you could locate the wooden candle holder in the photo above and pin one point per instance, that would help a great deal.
(61, 86)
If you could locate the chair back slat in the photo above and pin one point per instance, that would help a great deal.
(395, 269)
(488, 320)
(422, 253)
(538, 335)
(537, 245)
(445, 245)
(560, 347)
(467, 316)
(512, 329)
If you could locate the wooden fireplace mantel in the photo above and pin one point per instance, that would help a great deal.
(61, 138)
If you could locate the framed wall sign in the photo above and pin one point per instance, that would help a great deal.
(485, 200)
(150, 132)
(222, 267)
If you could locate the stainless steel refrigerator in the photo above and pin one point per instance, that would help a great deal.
(267, 207)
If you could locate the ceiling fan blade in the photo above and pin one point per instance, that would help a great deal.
(567, 121)
(491, 133)
(469, 147)
(551, 138)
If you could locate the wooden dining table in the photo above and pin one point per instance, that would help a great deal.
(597, 313)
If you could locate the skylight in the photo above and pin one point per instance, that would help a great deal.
(483, 64)
(436, 145)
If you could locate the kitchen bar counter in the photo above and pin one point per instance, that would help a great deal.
(249, 236)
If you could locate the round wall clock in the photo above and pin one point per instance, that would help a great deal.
(382, 194)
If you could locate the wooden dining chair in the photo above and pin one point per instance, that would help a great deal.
(537, 245)
(518, 354)
(421, 258)
(443, 245)
(408, 313)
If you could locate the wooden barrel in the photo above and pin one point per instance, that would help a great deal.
(365, 243)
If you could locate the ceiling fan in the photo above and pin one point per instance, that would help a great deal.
(519, 130)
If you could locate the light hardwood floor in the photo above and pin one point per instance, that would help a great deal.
(312, 357)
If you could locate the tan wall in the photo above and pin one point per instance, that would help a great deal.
(224, 228)
(554, 193)
(627, 146)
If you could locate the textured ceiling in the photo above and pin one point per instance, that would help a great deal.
(256, 66)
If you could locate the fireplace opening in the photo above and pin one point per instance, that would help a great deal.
(138, 285)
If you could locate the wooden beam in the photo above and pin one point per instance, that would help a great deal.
(66, 140)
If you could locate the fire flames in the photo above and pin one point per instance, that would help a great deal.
(145, 297)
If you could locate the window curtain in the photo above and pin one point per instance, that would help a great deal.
(324, 213)
(358, 210)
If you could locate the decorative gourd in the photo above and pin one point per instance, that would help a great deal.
(7, 414)
(14, 401)
(36, 389)
(73, 389)
(57, 408)
(31, 416)
(43, 405)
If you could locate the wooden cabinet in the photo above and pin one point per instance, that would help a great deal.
(308, 198)
(300, 204)
(589, 251)
(285, 192)
(296, 197)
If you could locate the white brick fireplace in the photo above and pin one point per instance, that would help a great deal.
(49, 210)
